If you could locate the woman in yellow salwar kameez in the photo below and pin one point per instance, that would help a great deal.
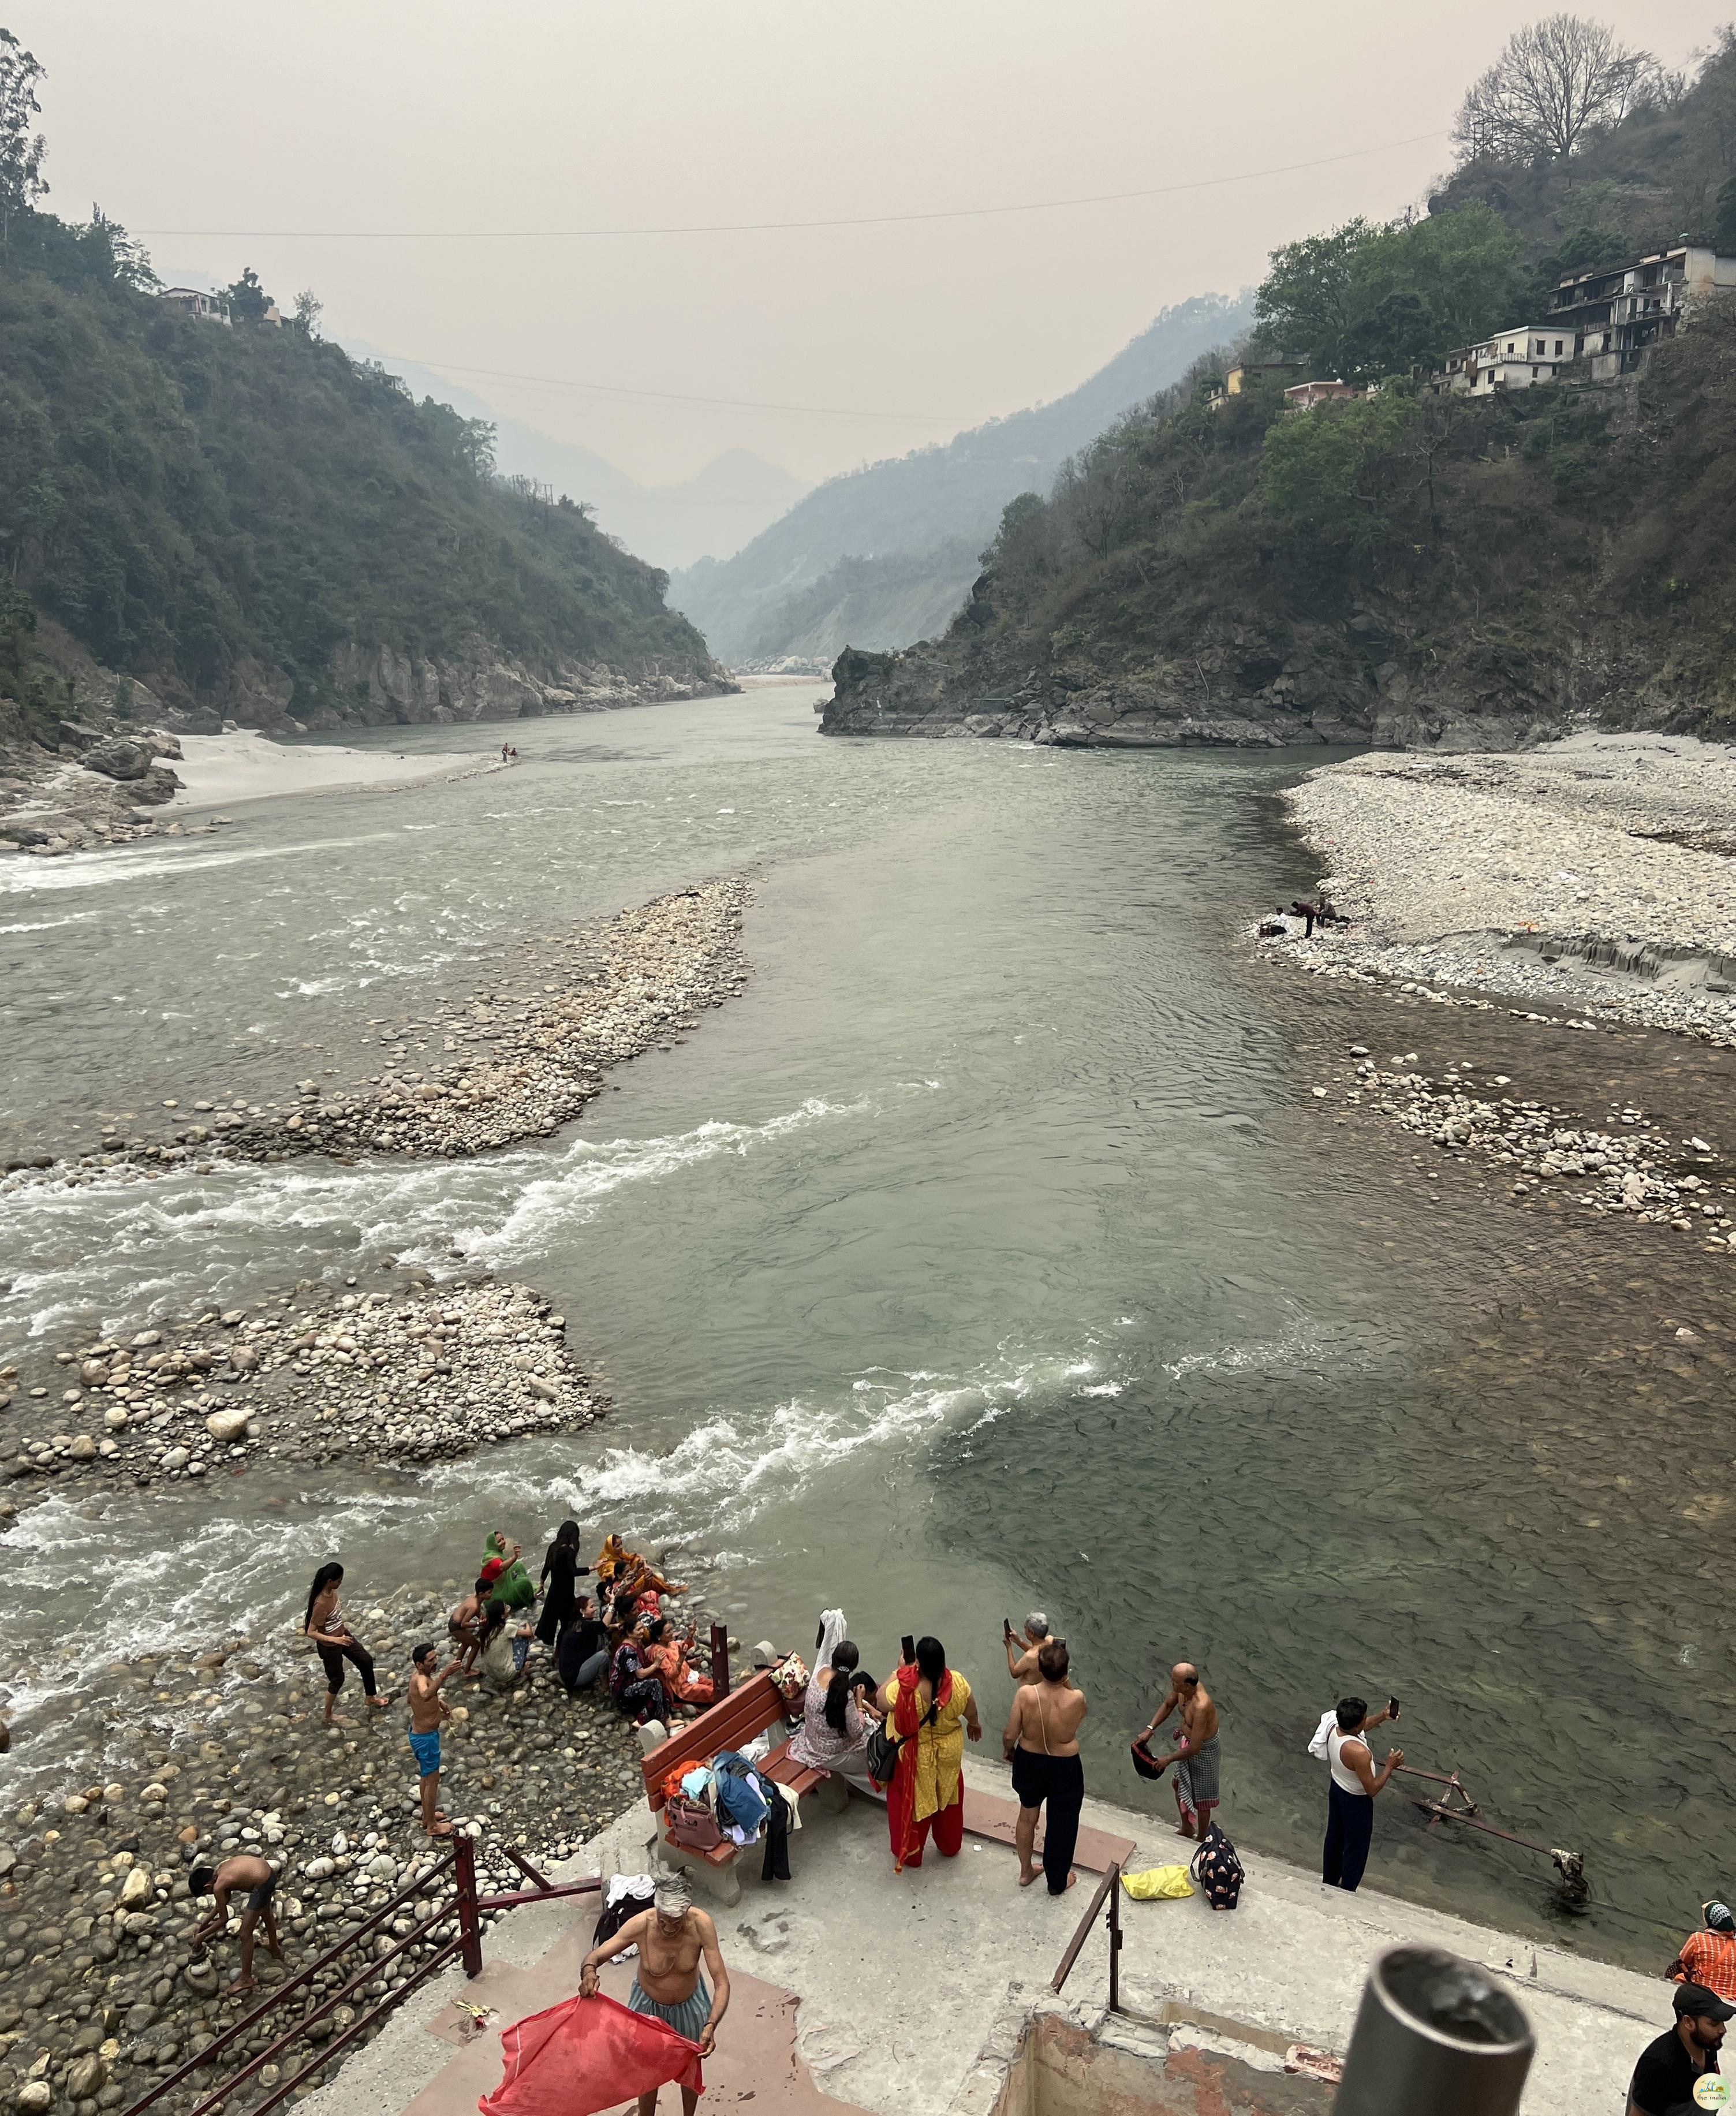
(930, 1707)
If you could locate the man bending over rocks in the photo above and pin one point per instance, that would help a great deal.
(244, 1871)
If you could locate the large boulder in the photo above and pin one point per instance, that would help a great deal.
(119, 757)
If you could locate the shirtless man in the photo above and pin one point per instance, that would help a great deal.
(1195, 1754)
(428, 1710)
(671, 1938)
(1041, 1742)
(244, 1871)
(1022, 1654)
(466, 1624)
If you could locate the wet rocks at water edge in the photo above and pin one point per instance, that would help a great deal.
(506, 1066)
(1625, 1166)
(408, 1371)
(222, 1751)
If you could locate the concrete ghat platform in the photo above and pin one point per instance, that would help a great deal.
(911, 1988)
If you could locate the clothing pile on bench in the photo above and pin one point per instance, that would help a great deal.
(742, 1806)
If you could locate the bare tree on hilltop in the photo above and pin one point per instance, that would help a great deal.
(1557, 80)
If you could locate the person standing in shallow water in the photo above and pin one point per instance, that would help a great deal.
(930, 1709)
(1041, 1743)
(336, 1643)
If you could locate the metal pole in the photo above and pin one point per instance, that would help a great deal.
(470, 1920)
(1434, 2036)
(719, 1662)
(1115, 1940)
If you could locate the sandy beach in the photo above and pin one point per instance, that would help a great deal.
(221, 770)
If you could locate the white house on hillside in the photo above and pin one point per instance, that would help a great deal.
(213, 307)
(1511, 360)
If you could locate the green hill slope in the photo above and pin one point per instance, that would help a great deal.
(1399, 568)
(255, 526)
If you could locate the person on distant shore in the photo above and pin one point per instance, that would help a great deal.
(1671, 2068)
(929, 1707)
(672, 1938)
(668, 1655)
(1022, 1655)
(835, 1716)
(324, 1624)
(1350, 1796)
(428, 1711)
(1041, 1742)
(467, 1622)
(1708, 1957)
(561, 1574)
(247, 1871)
(582, 1651)
(1196, 1754)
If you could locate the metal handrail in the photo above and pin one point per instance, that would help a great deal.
(465, 1904)
(1109, 1886)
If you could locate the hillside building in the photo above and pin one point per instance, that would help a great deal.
(1620, 312)
(1511, 360)
(214, 308)
(1304, 396)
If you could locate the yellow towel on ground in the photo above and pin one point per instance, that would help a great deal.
(1158, 1884)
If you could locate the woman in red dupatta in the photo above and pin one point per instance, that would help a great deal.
(930, 1708)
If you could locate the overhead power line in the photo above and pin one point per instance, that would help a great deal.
(673, 396)
(769, 227)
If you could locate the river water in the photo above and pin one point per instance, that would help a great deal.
(977, 1258)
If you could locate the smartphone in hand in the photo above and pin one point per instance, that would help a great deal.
(1392, 1707)
(908, 1643)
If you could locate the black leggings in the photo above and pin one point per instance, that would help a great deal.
(334, 1656)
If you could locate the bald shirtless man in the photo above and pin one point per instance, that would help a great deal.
(671, 1937)
(1041, 1742)
(1195, 1754)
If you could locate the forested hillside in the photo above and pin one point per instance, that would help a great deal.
(1402, 568)
(253, 524)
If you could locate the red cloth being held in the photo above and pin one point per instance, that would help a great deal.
(587, 2055)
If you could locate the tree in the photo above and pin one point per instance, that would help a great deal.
(248, 300)
(309, 310)
(1368, 301)
(1557, 80)
(1330, 472)
(21, 151)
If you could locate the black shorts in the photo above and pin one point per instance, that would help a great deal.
(257, 1898)
(1035, 1777)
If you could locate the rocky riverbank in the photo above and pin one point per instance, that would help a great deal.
(513, 1061)
(1594, 875)
(224, 1750)
(406, 1371)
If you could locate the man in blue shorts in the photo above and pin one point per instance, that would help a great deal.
(428, 1709)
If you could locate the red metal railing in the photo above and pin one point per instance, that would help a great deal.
(1110, 1886)
(464, 1906)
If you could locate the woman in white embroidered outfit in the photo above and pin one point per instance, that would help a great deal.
(838, 1708)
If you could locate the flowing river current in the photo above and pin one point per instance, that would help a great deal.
(977, 1258)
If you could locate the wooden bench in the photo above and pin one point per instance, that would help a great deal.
(731, 1723)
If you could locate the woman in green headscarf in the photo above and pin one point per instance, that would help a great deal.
(507, 1580)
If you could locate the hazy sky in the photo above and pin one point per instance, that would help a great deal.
(425, 114)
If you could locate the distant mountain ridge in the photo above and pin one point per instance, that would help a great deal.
(921, 502)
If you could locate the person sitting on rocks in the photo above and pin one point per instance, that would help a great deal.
(246, 1870)
(503, 1647)
(582, 1651)
(668, 1655)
